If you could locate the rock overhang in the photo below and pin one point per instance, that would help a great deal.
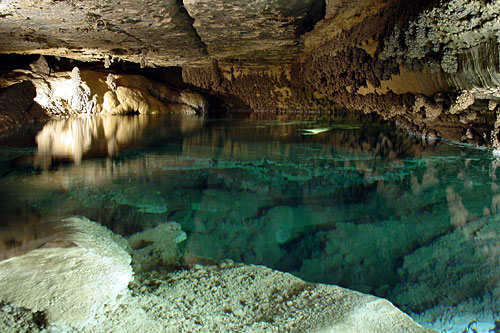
(409, 62)
(159, 33)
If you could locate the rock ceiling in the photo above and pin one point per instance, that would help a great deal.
(158, 32)
(430, 65)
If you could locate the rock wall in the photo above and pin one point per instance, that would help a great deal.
(17, 105)
(431, 66)
(61, 94)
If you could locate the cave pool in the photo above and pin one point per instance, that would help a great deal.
(355, 202)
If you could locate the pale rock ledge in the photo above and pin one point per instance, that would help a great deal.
(81, 281)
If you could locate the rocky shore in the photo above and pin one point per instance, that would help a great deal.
(87, 271)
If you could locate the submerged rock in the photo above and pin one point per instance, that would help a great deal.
(71, 279)
(77, 281)
(18, 319)
(144, 199)
(157, 246)
(466, 257)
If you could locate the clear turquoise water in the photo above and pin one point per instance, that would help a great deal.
(342, 201)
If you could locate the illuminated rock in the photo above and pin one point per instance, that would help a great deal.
(72, 278)
(129, 100)
(84, 92)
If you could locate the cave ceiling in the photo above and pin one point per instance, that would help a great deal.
(159, 32)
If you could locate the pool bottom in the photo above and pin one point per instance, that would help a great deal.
(356, 205)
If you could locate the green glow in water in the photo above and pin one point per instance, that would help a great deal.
(359, 205)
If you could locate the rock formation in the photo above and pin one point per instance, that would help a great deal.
(72, 277)
(410, 62)
(431, 66)
(17, 106)
(78, 281)
(90, 92)
(157, 247)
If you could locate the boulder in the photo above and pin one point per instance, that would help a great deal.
(16, 105)
(40, 66)
(157, 246)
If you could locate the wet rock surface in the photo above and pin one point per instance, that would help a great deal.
(257, 299)
(225, 296)
(157, 247)
(71, 278)
(19, 319)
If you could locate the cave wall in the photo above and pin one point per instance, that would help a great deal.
(17, 106)
(431, 66)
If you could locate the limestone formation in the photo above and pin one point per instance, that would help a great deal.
(463, 101)
(371, 56)
(17, 105)
(40, 66)
(85, 92)
(111, 82)
(127, 100)
(80, 98)
(157, 247)
(78, 281)
(233, 297)
(432, 67)
(159, 33)
(18, 319)
(253, 31)
(72, 278)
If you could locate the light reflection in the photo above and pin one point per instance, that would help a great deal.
(458, 212)
(75, 138)
(371, 208)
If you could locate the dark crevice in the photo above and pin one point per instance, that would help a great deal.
(315, 13)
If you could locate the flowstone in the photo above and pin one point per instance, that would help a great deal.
(73, 278)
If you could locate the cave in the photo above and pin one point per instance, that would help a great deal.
(266, 165)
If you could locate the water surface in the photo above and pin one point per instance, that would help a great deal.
(351, 202)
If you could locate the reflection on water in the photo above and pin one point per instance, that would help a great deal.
(71, 139)
(362, 205)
